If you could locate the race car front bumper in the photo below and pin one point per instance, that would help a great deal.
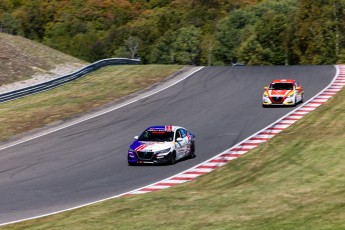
(266, 101)
(135, 157)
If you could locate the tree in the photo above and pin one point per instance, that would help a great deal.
(121, 52)
(187, 47)
(229, 35)
(9, 24)
(163, 51)
(251, 52)
(266, 25)
(339, 17)
(133, 44)
(34, 15)
(273, 34)
(315, 37)
(129, 49)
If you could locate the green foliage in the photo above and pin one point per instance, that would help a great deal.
(253, 53)
(316, 37)
(34, 15)
(230, 35)
(221, 31)
(133, 44)
(9, 24)
(258, 35)
(163, 51)
(187, 47)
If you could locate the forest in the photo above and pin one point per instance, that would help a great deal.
(189, 32)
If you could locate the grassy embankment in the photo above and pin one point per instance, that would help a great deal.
(294, 181)
(96, 89)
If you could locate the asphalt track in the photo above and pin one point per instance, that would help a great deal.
(87, 161)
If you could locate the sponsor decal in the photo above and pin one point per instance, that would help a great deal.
(279, 92)
(156, 128)
(167, 128)
(143, 147)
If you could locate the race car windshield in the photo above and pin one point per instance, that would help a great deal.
(281, 86)
(159, 136)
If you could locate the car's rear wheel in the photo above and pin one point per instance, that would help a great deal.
(131, 164)
(192, 150)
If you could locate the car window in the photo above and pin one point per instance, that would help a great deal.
(178, 134)
(183, 133)
(281, 86)
(159, 136)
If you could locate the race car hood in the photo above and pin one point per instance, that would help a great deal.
(144, 146)
(280, 93)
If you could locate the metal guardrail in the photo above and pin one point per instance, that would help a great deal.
(64, 79)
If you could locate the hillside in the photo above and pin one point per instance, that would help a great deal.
(23, 59)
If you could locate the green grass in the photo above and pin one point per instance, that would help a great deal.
(90, 92)
(294, 181)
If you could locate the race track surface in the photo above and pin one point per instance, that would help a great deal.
(88, 161)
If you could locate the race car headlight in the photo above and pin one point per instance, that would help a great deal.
(163, 152)
(290, 95)
(131, 153)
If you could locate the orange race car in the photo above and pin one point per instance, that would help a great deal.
(282, 92)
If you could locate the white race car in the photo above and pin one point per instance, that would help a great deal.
(282, 92)
(162, 144)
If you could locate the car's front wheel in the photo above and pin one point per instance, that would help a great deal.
(173, 158)
(192, 150)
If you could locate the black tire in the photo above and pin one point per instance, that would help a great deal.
(173, 158)
(192, 151)
(131, 164)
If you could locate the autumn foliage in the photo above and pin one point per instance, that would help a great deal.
(194, 32)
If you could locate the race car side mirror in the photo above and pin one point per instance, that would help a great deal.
(179, 139)
(265, 87)
(136, 138)
(298, 88)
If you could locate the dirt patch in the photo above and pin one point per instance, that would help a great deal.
(59, 71)
(22, 59)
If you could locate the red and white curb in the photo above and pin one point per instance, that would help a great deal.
(252, 142)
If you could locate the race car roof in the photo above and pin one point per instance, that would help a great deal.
(283, 81)
(161, 128)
